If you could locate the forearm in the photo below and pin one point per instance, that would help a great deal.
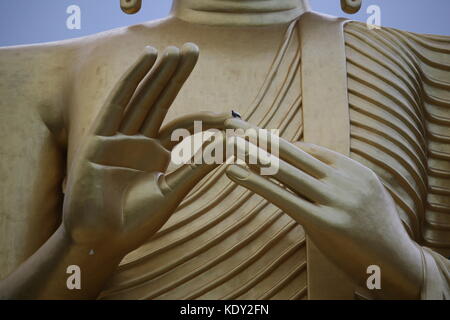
(44, 275)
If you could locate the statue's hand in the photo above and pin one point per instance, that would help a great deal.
(343, 207)
(117, 192)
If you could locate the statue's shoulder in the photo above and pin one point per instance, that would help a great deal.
(64, 54)
(126, 39)
(422, 56)
(39, 74)
(26, 69)
(424, 46)
(31, 59)
(32, 78)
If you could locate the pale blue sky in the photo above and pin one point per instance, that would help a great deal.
(32, 21)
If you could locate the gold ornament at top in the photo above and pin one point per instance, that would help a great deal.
(351, 6)
(130, 6)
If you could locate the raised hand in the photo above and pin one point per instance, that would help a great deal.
(117, 193)
(343, 207)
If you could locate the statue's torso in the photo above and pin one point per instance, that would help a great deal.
(224, 242)
(212, 249)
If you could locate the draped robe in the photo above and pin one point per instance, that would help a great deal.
(224, 242)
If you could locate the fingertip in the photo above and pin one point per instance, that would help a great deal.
(171, 52)
(149, 56)
(214, 117)
(236, 123)
(190, 49)
(150, 51)
(237, 172)
(190, 53)
(219, 115)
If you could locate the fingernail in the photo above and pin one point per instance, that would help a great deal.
(235, 114)
(171, 51)
(189, 46)
(150, 50)
(238, 172)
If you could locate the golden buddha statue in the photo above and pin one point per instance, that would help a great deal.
(364, 160)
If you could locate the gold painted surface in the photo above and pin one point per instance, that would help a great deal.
(399, 106)
(224, 242)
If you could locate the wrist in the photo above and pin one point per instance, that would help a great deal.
(406, 280)
(85, 251)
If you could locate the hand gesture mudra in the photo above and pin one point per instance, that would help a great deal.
(117, 192)
(344, 208)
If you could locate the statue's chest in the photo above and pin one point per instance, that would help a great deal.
(224, 241)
